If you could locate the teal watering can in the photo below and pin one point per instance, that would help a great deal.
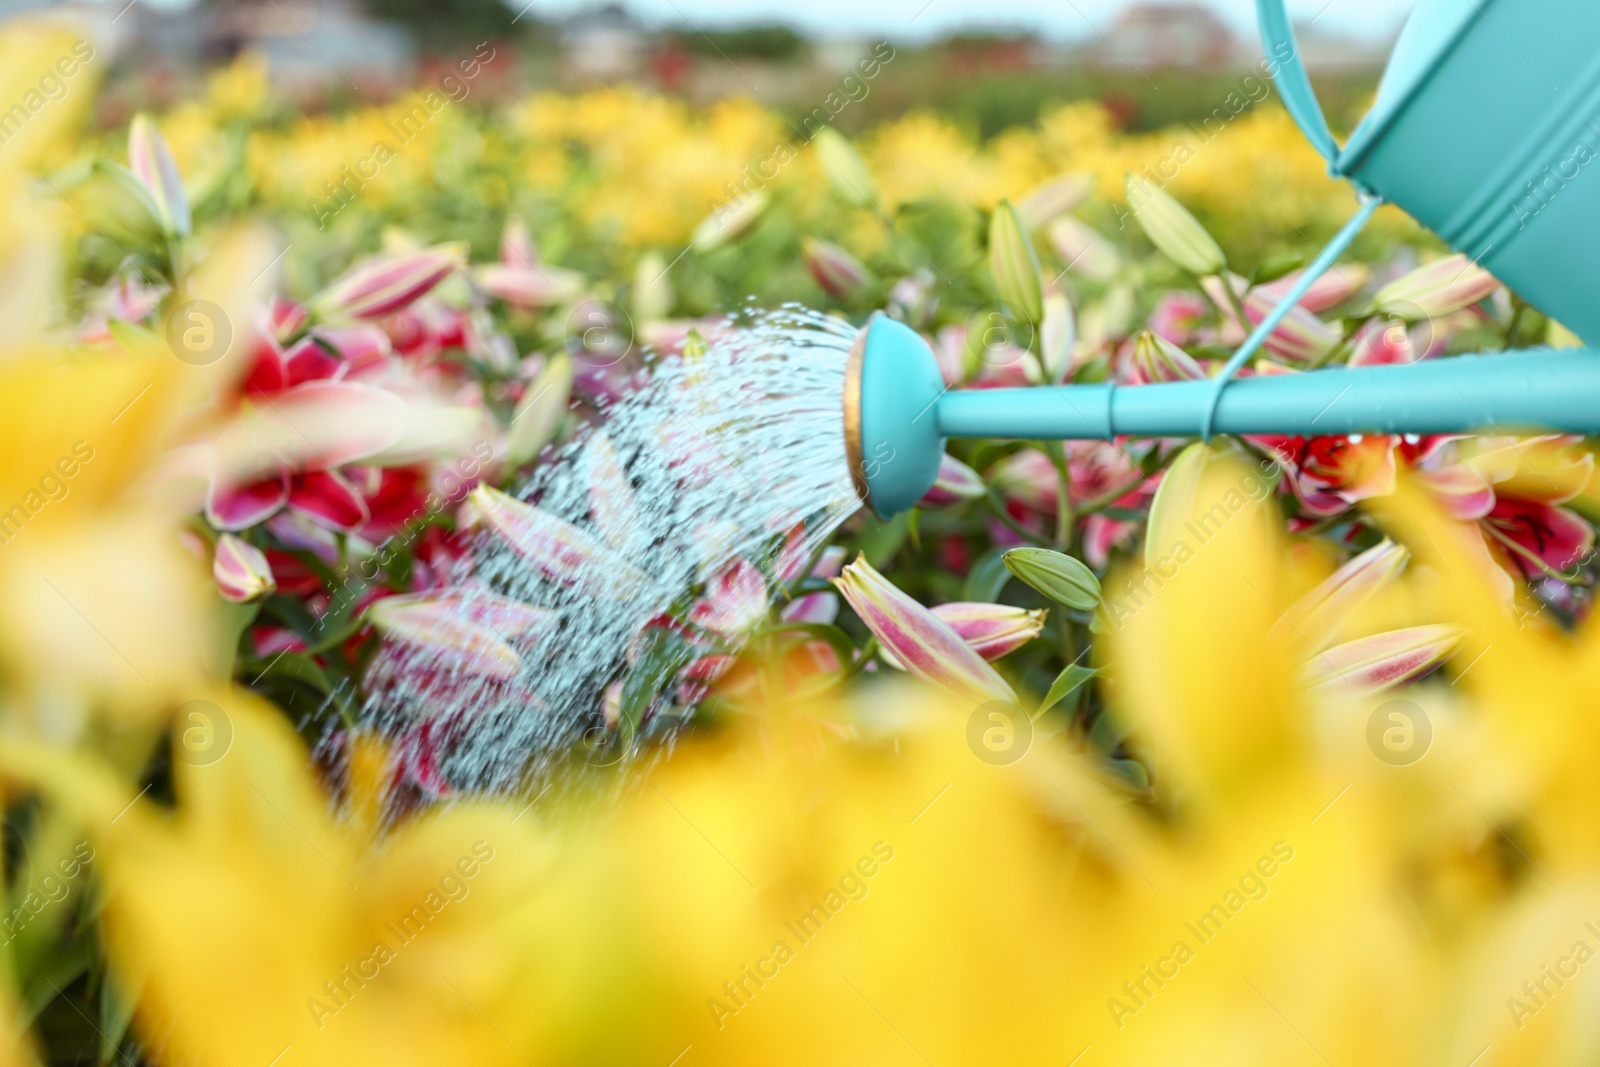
(1484, 129)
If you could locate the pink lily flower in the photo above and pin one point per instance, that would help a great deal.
(1539, 533)
(301, 425)
(925, 644)
(1383, 344)
(735, 600)
(1372, 663)
(521, 280)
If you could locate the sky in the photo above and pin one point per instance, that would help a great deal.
(1056, 19)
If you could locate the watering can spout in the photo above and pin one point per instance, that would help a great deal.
(898, 411)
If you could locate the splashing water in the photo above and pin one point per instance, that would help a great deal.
(734, 454)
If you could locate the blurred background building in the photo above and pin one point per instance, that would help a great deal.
(321, 53)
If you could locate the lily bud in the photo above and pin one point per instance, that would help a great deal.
(839, 273)
(1157, 359)
(1319, 616)
(388, 283)
(471, 635)
(534, 286)
(993, 630)
(1054, 198)
(1058, 576)
(917, 638)
(729, 221)
(242, 572)
(957, 482)
(1441, 287)
(151, 162)
(1329, 291)
(539, 412)
(556, 548)
(1058, 333)
(845, 168)
(652, 289)
(1176, 234)
(1084, 250)
(1373, 664)
(1301, 337)
(1014, 263)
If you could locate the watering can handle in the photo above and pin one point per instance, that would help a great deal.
(1294, 84)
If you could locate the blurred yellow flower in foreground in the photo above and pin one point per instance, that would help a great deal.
(1306, 895)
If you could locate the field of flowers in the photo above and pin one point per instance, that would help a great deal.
(1272, 750)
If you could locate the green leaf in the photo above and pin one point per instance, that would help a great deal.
(987, 578)
(1058, 576)
(116, 1014)
(881, 540)
(1276, 267)
(1066, 684)
(665, 653)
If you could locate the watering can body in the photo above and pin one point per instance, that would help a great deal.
(1486, 129)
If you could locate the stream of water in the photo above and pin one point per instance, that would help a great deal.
(717, 457)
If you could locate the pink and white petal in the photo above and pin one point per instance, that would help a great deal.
(1462, 491)
(1330, 290)
(812, 608)
(360, 345)
(1382, 344)
(792, 554)
(955, 484)
(384, 285)
(308, 361)
(311, 426)
(830, 562)
(556, 548)
(611, 501)
(1373, 664)
(439, 628)
(1557, 536)
(1101, 535)
(1319, 615)
(1315, 499)
(244, 506)
(918, 638)
(735, 599)
(992, 630)
(329, 498)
